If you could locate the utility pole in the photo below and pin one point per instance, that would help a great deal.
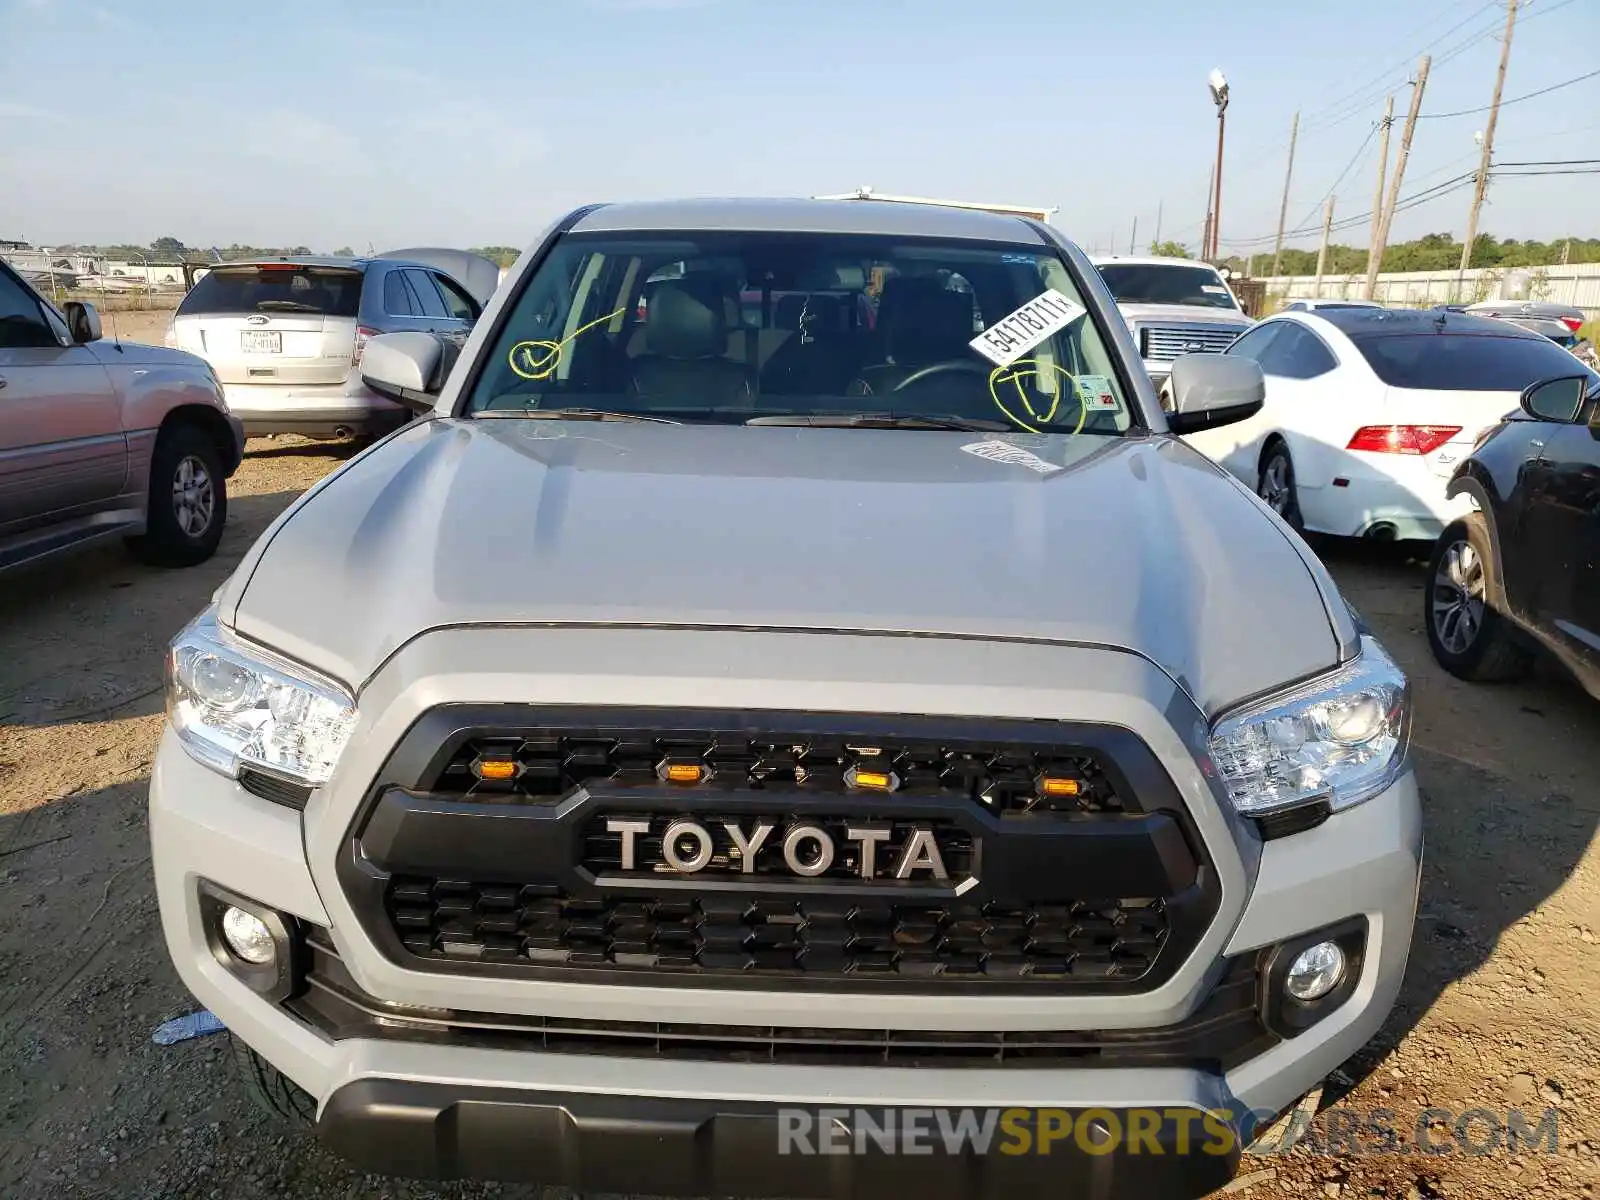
(1160, 204)
(1133, 238)
(1383, 168)
(1205, 237)
(1488, 136)
(1322, 251)
(1375, 259)
(1283, 209)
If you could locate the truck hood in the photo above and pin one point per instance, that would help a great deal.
(1184, 314)
(1136, 543)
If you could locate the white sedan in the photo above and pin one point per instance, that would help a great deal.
(1369, 410)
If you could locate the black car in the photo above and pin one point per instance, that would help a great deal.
(1524, 571)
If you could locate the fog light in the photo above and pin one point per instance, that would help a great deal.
(248, 937)
(1315, 972)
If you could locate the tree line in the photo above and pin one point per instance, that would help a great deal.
(1431, 252)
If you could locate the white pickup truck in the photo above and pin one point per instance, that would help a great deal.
(1173, 307)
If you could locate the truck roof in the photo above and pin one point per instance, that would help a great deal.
(912, 219)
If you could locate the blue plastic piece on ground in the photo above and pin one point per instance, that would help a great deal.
(181, 1029)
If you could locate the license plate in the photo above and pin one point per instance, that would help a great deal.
(261, 341)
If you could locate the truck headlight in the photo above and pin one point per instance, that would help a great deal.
(1340, 739)
(234, 707)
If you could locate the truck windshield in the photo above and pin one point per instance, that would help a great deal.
(1161, 283)
(801, 328)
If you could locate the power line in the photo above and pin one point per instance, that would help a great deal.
(1554, 162)
(1414, 200)
(1351, 104)
(1554, 87)
(1334, 186)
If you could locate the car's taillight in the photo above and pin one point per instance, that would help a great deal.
(1402, 439)
(1573, 323)
(364, 334)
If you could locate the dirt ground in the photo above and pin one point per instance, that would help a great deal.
(1498, 1009)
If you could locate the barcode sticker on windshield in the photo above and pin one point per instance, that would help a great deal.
(1009, 338)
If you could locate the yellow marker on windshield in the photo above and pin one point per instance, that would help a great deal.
(540, 358)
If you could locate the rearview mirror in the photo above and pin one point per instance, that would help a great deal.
(1211, 390)
(1556, 399)
(82, 322)
(408, 368)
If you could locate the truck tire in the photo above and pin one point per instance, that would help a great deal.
(1467, 636)
(188, 504)
(273, 1092)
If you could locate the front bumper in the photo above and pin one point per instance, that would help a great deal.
(694, 1147)
(459, 1106)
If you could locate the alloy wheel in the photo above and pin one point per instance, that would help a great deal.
(1275, 484)
(194, 497)
(1458, 597)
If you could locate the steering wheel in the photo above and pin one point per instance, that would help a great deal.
(941, 368)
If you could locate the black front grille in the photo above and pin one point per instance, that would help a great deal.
(1225, 1031)
(554, 763)
(1114, 940)
(533, 843)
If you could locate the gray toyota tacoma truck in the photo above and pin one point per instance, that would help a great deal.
(819, 733)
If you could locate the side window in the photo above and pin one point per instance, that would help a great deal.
(462, 307)
(396, 296)
(22, 323)
(422, 287)
(1301, 354)
(1257, 341)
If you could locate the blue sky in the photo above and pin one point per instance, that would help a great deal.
(338, 122)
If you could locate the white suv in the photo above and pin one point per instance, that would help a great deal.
(285, 335)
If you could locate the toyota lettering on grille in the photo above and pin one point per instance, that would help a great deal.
(802, 848)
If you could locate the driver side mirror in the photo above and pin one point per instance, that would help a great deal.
(83, 323)
(1212, 390)
(1558, 400)
(408, 368)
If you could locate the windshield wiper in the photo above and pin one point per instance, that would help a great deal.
(882, 421)
(288, 306)
(572, 414)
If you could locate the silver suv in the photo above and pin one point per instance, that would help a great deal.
(706, 760)
(285, 335)
(105, 439)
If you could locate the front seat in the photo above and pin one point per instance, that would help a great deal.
(685, 345)
(922, 323)
(820, 358)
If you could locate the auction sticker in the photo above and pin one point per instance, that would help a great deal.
(1016, 456)
(1009, 338)
(1094, 392)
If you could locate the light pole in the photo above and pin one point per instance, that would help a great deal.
(1219, 97)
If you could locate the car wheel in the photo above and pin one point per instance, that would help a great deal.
(1468, 637)
(188, 501)
(273, 1092)
(1276, 485)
